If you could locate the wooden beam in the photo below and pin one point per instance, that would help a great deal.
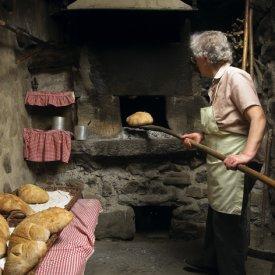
(246, 35)
(251, 42)
(23, 32)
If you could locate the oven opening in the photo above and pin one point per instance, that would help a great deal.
(153, 219)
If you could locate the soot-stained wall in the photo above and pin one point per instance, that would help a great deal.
(14, 82)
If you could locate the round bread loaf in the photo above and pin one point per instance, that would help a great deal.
(30, 193)
(139, 119)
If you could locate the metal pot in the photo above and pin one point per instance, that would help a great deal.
(58, 123)
(80, 132)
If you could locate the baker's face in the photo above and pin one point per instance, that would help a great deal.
(203, 66)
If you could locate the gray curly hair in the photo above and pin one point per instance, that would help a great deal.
(213, 45)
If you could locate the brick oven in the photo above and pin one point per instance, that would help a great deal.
(134, 58)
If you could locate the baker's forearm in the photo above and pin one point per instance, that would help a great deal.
(255, 136)
(255, 115)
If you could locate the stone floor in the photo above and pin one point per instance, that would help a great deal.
(152, 255)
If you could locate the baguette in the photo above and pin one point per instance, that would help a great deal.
(9, 202)
(30, 193)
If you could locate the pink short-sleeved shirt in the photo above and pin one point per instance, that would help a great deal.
(231, 93)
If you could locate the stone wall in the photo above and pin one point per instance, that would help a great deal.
(120, 184)
(14, 82)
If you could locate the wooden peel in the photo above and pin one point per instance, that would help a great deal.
(245, 169)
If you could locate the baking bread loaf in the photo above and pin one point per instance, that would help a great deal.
(9, 202)
(139, 119)
(30, 193)
(4, 235)
(23, 257)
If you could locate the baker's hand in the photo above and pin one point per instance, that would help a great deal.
(185, 139)
(232, 161)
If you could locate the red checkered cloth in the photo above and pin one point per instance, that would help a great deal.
(57, 99)
(41, 146)
(75, 243)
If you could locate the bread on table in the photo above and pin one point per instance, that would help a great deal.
(9, 202)
(4, 235)
(23, 257)
(30, 193)
(15, 240)
(28, 231)
(39, 226)
(139, 119)
(27, 243)
(54, 219)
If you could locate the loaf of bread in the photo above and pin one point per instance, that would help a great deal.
(28, 231)
(139, 119)
(23, 257)
(30, 193)
(25, 248)
(4, 235)
(9, 202)
(54, 219)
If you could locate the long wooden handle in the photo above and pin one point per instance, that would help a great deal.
(245, 169)
(246, 35)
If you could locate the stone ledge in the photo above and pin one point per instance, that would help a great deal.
(127, 147)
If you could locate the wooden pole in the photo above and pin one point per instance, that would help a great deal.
(251, 41)
(245, 169)
(246, 35)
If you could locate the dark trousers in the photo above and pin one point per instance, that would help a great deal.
(227, 236)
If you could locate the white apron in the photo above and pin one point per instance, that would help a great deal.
(225, 187)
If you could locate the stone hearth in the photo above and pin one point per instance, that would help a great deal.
(131, 142)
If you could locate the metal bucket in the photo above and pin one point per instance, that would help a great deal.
(80, 132)
(58, 123)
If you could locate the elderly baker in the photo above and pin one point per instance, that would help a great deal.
(234, 125)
